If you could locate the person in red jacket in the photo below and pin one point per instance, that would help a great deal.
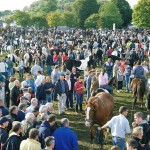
(79, 89)
(64, 57)
(55, 58)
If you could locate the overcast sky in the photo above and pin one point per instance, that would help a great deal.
(20, 4)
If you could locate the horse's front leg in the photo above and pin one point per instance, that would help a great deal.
(92, 136)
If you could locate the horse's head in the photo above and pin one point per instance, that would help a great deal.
(90, 112)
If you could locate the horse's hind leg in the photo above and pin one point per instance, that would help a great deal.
(133, 106)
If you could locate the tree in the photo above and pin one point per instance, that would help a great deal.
(125, 11)
(39, 21)
(54, 19)
(141, 14)
(83, 9)
(91, 22)
(69, 19)
(9, 19)
(109, 14)
(22, 18)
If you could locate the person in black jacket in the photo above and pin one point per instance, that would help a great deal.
(139, 121)
(3, 132)
(14, 140)
(3, 108)
(49, 63)
(13, 111)
(61, 89)
(41, 93)
(14, 95)
(69, 100)
(99, 56)
(137, 135)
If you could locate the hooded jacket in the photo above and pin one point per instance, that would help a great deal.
(44, 131)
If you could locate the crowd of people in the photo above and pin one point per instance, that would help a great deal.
(27, 117)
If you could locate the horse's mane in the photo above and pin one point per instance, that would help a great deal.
(94, 84)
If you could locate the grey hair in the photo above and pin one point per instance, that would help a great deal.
(42, 109)
(49, 104)
(27, 95)
(64, 122)
(29, 116)
(33, 100)
(44, 116)
(16, 81)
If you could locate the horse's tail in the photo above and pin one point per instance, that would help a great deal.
(140, 89)
(134, 89)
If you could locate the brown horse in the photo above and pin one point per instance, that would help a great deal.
(138, 89)
(99, 110)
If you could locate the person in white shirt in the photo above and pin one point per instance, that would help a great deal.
(39, 79)
(119, 126)
(35, 69)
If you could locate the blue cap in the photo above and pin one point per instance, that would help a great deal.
(3, 119)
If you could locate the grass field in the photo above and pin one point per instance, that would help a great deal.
(77, 122)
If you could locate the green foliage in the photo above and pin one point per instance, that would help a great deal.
(22, 18)
(61, 18)
(5, 13)
(69, 19)
(83, 9)
(125, 11)
(39, 21)
(44, 6)
(91, 22)
(54, 19)
(141, 14)
(9, 19)
(109, 14)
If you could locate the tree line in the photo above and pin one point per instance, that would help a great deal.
(81, 13)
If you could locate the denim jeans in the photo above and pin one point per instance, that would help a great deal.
(10, 72)
(88, 94)
(79, 98)
(49, 69)
(49, 97)
(119, 142)
(127, 83)
(69, 100)
(109, 74)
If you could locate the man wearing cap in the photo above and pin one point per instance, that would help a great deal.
(21, 112)
(3, 132)
(61, 89)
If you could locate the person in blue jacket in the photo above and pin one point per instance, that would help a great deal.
(65, 138)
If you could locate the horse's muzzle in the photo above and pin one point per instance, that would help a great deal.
(88, 122)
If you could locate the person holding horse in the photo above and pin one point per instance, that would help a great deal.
(103, 81)
(119, 126)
